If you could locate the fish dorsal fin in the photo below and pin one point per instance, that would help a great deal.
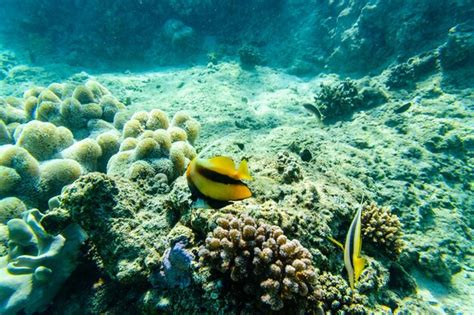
(221, 164)
(243, 171)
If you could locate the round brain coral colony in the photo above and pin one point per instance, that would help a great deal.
(262, 261)
(151, 145)
(382, 229)
(73, 107)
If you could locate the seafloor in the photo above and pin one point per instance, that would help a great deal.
(399, 141)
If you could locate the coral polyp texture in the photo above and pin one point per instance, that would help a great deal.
(338, 99)
(37, 264)
(71, 131)
(71, 106)
(382, 229)
(152, 145)
(263, 263)
(336, 297)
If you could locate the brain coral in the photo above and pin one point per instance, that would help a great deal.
(150, 145)
(261, 261)
(71, 106)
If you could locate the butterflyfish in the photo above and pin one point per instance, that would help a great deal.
(352, 260)
(217, 180)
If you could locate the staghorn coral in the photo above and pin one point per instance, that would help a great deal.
(382, 229)
(338, 99)
(336, 297)
(261, 261)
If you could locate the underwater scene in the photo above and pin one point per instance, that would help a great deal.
(236, 157)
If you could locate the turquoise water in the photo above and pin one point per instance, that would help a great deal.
(236, 157)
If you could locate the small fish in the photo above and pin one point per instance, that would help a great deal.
(217, 181)
(313, 110)
(403, 108)
(352, 260)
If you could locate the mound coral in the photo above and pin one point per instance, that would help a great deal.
(151, 145)
(382, 229)
(37, 264)
(261, 260)
(43, 140)
(71, 106)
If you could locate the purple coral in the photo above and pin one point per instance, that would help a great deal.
(175, 269)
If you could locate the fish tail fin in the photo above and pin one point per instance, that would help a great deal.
(339, 244)
(243, 171)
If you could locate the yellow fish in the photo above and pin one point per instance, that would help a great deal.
(352, 260)
(218, 180)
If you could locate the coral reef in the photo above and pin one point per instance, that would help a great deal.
(336, 296)
(110, 211)
(261, 260)
(382, 230)
(338, 99)
(458, 50)
(152, 146)
(71, 106)
(404, 75)
(37, 264)
(33, 182)
(288, 168)
(11, 208)
(175, 271)
(250, 56)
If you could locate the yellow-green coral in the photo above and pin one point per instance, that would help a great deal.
(43, 139)
(382, 229)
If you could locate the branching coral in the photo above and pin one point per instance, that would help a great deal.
(262, 260)
(336, 297)
(382, 229)
(338, 99)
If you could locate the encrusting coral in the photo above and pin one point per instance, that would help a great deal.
(37, 264)
(382, 229)
(261, 260)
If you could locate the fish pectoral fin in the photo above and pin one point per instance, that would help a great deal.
(359, 265)
(339, 244)
(243, 171)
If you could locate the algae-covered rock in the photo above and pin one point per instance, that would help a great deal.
(109, 210)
